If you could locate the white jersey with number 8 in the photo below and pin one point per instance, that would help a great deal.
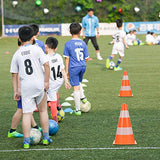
(28, 61)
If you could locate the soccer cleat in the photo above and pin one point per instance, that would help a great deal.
(47, 141)
(40, 129)
(107, 63)
(77, 113)
(15, 134)
(117, 68)
(84, 100)
(26, 145)
(99, 58)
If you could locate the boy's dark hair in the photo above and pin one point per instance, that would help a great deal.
(152, 33)
(75, 28)
(35, 28)
(25, 33)
(119, 23)
(148, 32)
(52, 42)
(90, 9)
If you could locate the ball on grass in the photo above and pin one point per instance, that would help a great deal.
(53, 127)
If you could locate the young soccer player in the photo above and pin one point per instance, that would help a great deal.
(27, 62)
(57, 74)
(18, 114)
(35, 28)
(76, 55)
(118, 46)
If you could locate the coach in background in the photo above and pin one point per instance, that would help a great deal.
(90, 24)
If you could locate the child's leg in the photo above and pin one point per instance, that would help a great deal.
(26, 124)
(119, 61)
(34, 124)
(44, 116)
(53, 108)
(58, 104)
(76, 93)
(16, 119)
(82, 96)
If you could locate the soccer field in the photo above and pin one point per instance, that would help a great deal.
(91, 135)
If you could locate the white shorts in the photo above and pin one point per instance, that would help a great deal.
(116, 51)
(29, 103)
(52, 92)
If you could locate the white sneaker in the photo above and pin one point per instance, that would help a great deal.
(99, 58)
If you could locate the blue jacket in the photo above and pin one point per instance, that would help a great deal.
(90, 24)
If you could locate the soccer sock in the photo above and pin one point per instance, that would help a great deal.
(53, 108)
(98, 54)
(110, 57)
(82, 96)
(119, 62)
(58, 104)
(77, 99)
(45, 135)
(36, 127)
(26, 139)
(12, 130)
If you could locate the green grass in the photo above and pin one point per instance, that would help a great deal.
(96, 129)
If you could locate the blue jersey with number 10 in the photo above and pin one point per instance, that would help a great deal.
(77, 51)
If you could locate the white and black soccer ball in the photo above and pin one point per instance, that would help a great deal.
(35, 136)
(111, 65)
(85, 107)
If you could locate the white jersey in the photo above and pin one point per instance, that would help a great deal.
(129, 39)
(28, 61)
(56, 77)
(118, 39)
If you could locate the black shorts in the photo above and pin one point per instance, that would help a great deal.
(93, 40)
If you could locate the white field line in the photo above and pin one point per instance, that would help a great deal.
(80, 149)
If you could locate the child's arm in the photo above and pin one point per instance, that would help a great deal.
(46, 77)
(15, 86)
(67, 66)
(67, 85)
(124, 41)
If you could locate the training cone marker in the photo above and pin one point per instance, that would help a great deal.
(84, 80)
(125, 87)
(69, 99)
(124, 135)
(84, 85)
(65, 104)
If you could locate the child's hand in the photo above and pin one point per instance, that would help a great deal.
(67, 85)
(46, 86)
(16, 96)
(127, 47)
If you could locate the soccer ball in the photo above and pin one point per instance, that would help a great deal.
(135, 43)
(60, 115)
(53, 127)
(111, 65)
(35, 136)
(85, 107)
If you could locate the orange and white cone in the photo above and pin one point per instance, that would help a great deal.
(125, 87)
(124, 135)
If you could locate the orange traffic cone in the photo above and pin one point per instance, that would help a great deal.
(125, 87)
(124, 135)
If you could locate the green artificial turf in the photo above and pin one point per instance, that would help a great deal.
(96, 129)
